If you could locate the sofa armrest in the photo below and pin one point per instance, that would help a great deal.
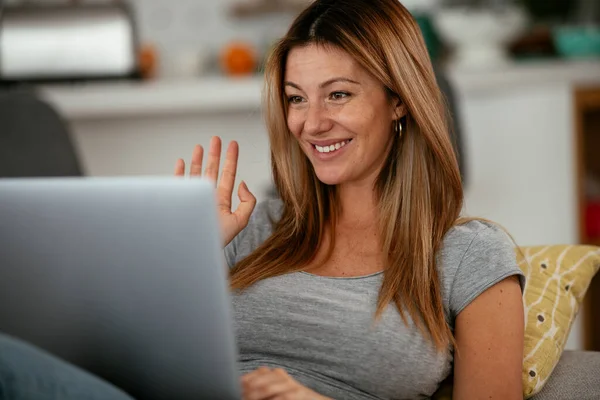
(576, 376)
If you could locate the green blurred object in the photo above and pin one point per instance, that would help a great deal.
(577, 41)
(432, 39)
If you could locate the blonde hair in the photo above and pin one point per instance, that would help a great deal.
(419, 190)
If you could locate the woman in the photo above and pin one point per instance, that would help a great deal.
(362, 282)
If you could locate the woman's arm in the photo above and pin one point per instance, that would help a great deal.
(489, 336)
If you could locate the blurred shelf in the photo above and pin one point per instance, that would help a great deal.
(129, 99)
(525, 74)
(222, 94)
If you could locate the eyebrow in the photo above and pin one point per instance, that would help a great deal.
(324, 84)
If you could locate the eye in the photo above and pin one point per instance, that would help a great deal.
(295, 99)
(339, 95)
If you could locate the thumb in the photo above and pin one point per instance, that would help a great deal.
(247, 203)
(244, 193)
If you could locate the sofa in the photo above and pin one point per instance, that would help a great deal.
(576, 376)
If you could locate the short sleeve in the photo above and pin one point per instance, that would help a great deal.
(489, 258)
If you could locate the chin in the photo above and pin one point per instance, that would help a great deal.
(329, 177)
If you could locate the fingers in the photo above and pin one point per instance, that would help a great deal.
(196, 164)
(267, 390)
(250, 376)
(180, 167)
(214, 159)
(246, 206)
(265, 383)
(228, 176)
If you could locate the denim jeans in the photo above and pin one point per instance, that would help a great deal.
(28, 373)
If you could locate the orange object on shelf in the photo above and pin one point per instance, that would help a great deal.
(238, 59)
(148, 62)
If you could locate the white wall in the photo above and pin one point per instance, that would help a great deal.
(521, 162)
(149, 145)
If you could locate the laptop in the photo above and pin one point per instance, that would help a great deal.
(124, 277)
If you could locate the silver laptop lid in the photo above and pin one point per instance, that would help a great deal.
(124, 277)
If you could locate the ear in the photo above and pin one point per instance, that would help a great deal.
(399, 109)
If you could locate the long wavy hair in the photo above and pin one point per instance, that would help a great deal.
(419, 190)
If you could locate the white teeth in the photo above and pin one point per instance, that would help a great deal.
(331, 148)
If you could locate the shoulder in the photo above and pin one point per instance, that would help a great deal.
(260, 227)
(473, 237)
(474, 256)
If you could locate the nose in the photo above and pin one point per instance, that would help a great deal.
(317, 120)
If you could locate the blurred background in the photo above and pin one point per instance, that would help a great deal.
(106, 88)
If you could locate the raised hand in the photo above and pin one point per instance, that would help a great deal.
(232, 222)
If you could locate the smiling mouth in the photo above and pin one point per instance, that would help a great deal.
(332, 147)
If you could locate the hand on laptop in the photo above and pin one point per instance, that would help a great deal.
(232, 222)
(273, 384)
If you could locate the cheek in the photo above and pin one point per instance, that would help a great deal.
(294, 123)
(377, 124)
(362, 123)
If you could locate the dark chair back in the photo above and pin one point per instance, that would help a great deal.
(34, 139)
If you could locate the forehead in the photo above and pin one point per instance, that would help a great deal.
(318, 61)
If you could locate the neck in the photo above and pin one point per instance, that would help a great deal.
(358, 199)
(358, 205)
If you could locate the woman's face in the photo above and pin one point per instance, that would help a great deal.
(340, 114)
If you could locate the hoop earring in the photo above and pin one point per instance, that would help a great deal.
(398, 127)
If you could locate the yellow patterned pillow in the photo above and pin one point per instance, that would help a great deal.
(557, 279)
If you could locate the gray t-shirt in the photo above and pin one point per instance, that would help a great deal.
(320, 329)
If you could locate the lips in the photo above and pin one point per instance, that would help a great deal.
(330, 146)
